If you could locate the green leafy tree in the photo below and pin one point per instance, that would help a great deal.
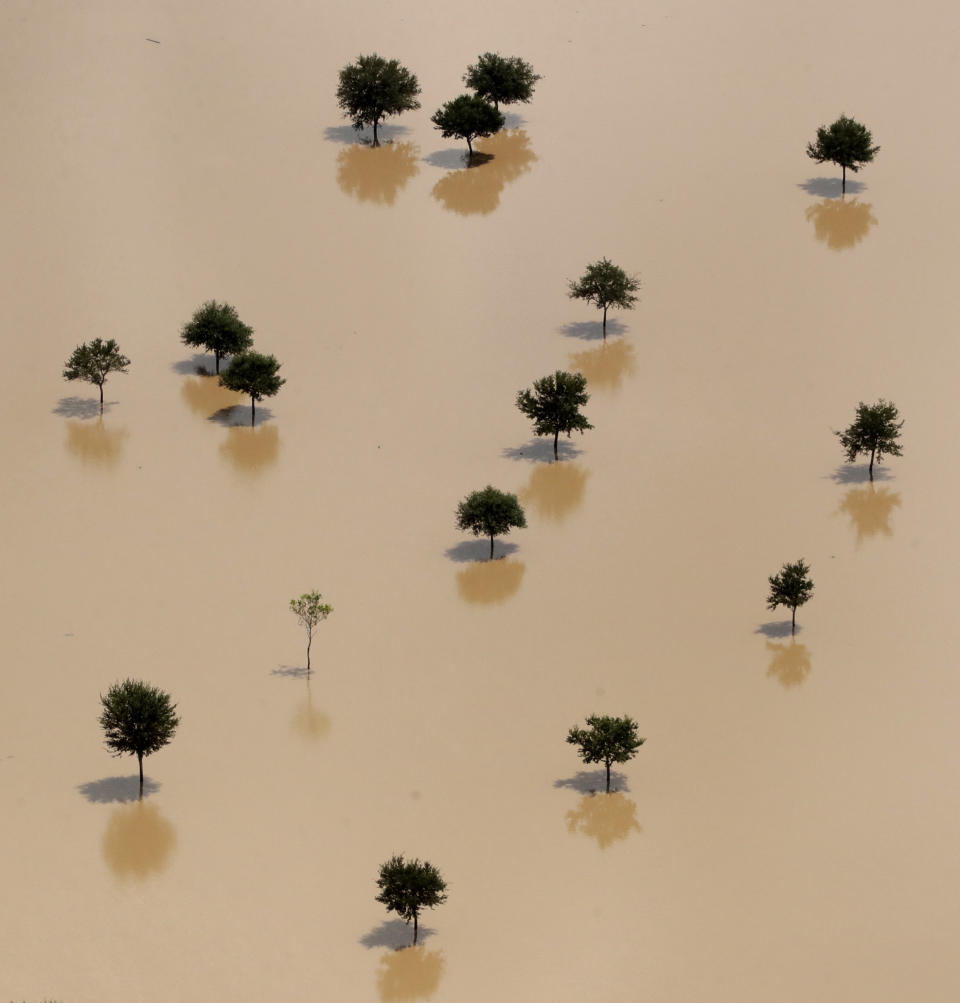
(255, 374)
(217, 328)
(501, 79)
(94, 362)
(490, 513)
(468, 117)
(875, 430)
(137, 720)
(605, 285)
(310, 610)
(791, 587)
(554, 405)
(606, 740)
(373, 88)
(407, 886)
(846, 143)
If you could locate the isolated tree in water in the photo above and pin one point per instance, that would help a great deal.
(846, 143)
(790, 587)
(94, 362)
(137, 719)
(407, 886)
(490, 513)
(606, 740)
(554, 405)
(468, 117)
(501, 79)
(605, 285)
(255, 374)
(310, 610)
(216, 327)
(875, 430)
(373, 88)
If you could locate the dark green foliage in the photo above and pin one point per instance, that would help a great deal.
(407, 886)
(875, 430)
(217, 328)
(554, 405)
(605, 285)
(846, 143)
(501, 79)
(372, 88)
(490, 513)
(94, 362)
(791, 587)
(468, 117)
(606, 740)
(255, 374)
(137, 720)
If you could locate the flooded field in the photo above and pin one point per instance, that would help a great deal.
(790, 830)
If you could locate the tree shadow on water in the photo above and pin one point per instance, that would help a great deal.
(606, 365)
(113, 789)
(841, 224)
(386, 133)
(555, 490)
(395, 934)
(847, 473)
(290, 671)
(489, 582)
(454, 159)
(95, 443)
(81, 407)
(238, 416)
(251, 450)
(831, 187)
(497, 161)
(777, 628)
(594, 781)
(411, 974)
(197, 365)
(540, 449)
(789, 663)
(309, 721)
(138, 841)
(592, 330)
(869, 510)
(376, 174)
(205, 396)
(606, 818)
(479, 550)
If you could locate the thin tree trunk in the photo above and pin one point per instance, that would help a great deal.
(793, 623)
(872, 454)
(101, 398)
(604, 323)
(415, 930)
(140, 757)
(491, 546)
(253, 410)
(376, 141)
(843, 188)
(309, 642)
(216, 356)
(556, 437)
(470, 149)
(608, 778)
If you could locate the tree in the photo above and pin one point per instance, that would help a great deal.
(407, 886)
(255, 374)
(310, 609)
(846, 143)
(217, 328)
(606, 740)
(372, 88)
(554, 405)
(791, 587)
(875, 430)
(94, 362)
(137, 719)
(605, 285)
(501, 79)
(468, 117)
(490, 513)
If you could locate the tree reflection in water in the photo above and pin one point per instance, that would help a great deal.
(138, 841)
(251, 450)
(789, 663)
(606, 818)
(490, 581)
(93, 442)
(869, 510)
(606, 365)
(555, 490)
(412, 973)
(376, 174)
(309, 721)
(204, 395)
(476, 190)
(841, 224)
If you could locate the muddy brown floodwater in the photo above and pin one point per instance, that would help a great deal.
(790, 831)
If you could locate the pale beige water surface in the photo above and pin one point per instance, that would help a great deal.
(790, 830)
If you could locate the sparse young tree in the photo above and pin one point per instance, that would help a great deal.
(490, 513)
(373, 88)
(93, 362)
(501, 79)
(468, 117)
(255, 374)
(310, 610)
(554, 405)
(791, 587)
(875, 430)
(605, 285)
(216, 327)
(407, 886)
(137, 719)
(846, 143)
(606, 740)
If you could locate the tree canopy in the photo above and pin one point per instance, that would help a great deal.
(605, 285)
(468, 117)
(501, 79)
(791, 587)
(846, 143)
(310, 610)
(490, 513)
(93, 362)
(373, 88)
(407, 886)
(137, 719)
(217, 328)
(875, 430)
(606, 740)
(554, 405)
(255, 374)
